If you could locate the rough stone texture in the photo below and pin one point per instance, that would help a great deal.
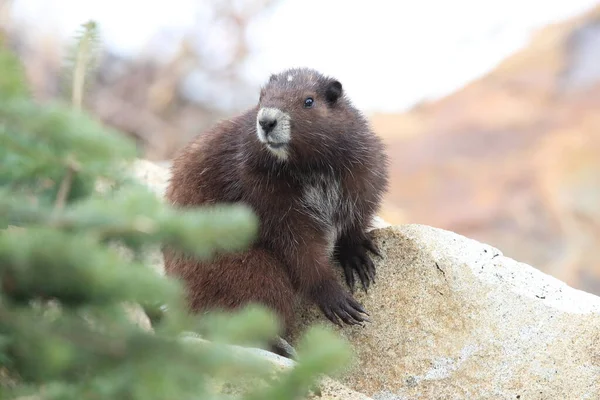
(453, 318)
(329, 389)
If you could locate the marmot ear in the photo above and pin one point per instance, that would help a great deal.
(333, 91)
(272, 78)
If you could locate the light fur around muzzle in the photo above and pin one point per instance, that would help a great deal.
(278, 139)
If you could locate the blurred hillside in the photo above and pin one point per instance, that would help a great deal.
(512, 159)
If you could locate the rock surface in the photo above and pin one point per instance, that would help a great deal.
(453, 318)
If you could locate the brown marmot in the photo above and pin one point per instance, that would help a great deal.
(308, 164)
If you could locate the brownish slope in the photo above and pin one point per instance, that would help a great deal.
(513, 158)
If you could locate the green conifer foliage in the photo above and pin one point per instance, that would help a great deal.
(67, 205)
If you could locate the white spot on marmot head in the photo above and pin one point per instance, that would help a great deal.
(277, 138)
(290, 78)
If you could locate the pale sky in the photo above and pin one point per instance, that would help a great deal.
(389, 54)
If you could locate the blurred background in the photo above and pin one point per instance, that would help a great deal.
(490, 108)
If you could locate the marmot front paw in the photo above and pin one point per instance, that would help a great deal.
(339, 304)
(353, 256)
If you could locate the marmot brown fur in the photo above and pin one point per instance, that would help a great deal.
(308, 164)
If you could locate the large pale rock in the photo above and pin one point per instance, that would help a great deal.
(453, 318)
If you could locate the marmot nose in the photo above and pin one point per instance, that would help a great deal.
(267, 124)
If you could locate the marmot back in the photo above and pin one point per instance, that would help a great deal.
(306, 161)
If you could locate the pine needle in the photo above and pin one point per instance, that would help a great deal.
(86, 51)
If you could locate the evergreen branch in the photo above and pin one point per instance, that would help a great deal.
(51, 157)
(83, 61)
(90, 274)
(65, 186)
(56, 128)
(81, 64)
(141, 218)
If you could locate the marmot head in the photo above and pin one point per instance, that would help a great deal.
(303, 116)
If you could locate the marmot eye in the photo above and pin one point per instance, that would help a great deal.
(308, 103)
